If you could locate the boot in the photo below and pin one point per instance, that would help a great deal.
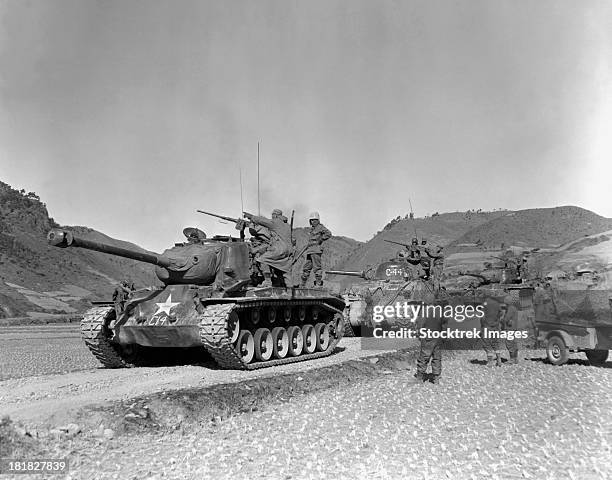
(498, 362)
(267, 280)
(435, 379)
(419, 377)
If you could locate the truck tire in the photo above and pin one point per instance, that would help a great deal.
(597, 357)
(557, 351)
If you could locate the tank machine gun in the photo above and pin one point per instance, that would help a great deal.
(206, 300)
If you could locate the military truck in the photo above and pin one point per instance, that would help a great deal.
(207, 301)
(577, 320)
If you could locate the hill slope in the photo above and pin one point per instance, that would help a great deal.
(440, 229)
(538, 227)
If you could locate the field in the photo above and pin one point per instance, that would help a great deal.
(356, 414)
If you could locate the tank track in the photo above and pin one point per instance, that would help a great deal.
(92, 331)
(348, 329)
(215, 337)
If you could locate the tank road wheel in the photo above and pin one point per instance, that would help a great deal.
(271, 315)
(264, 345)
(296, 341)
(245, 346)
(336, 326)
(315, 314)
(255, 316)
(233, 327)
(597, 357)
(322, 336)
(302, 314)
(310, 338)
(280, 340)
(556, 350)
(287, 314)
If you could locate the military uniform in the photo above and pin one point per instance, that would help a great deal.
(120, 295)
(316, 236)
(430, 349)
(259, 243)
(509, 322)
(278, 255)
(491, 321)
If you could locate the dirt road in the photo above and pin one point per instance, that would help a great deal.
(32, 391)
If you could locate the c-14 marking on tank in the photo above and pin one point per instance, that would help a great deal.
(207, 301)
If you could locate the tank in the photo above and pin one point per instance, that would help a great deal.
(389, 282)
(207, 301)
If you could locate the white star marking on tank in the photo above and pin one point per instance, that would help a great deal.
(166, 306)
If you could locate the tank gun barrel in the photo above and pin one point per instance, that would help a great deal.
(360, 274)
(407, 245)
(63, 239)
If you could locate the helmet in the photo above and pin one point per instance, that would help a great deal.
(276, 211)
(314, 216)
(415, 241)
(194, 233)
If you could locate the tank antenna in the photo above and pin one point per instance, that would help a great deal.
(258, 204)
(412, 217)
(241, 197)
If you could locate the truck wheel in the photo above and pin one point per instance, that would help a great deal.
(597, 357)
(557, 351)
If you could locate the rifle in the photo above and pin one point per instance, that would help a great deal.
(297, 257)
(291, 226)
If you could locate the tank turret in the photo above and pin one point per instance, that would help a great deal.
(215, 261)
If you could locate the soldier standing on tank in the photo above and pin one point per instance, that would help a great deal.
(277, 257)
(491, 322)
(316, 236)
(122, 291)
(436, 258)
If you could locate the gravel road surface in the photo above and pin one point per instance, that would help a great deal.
(532, 421)
(31, 390)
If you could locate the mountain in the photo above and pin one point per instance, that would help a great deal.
(538, 227)
(566, 237)
(38, 280)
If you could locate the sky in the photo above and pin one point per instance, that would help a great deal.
(128, 116)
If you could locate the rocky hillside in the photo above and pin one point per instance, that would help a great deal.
(37, 280)
(538, 227)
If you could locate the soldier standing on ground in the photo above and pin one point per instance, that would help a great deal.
(491, 321)
(316, 236)
(122, 290)
(278, 255)
(431, 348)
(509, 322)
